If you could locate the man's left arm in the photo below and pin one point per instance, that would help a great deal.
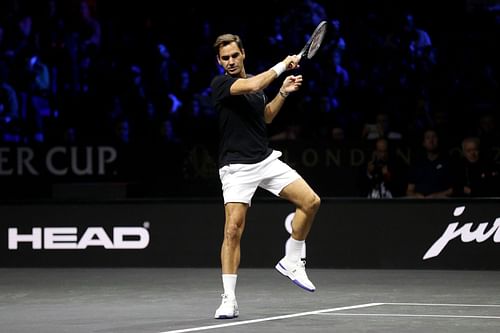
(290, 84)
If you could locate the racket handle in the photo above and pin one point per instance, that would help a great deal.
(300, 57)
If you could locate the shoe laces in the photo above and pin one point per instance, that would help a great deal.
(226, 298)
(301, 264)
(300, 268)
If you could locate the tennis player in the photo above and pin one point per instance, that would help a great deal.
(246, 162)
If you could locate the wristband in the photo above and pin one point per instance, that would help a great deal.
(283, 94)
(279, 68)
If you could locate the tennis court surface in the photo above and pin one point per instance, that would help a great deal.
(161, 300)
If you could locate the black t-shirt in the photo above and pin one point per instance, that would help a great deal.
(482, 177)
(431, 176)
(242, 129)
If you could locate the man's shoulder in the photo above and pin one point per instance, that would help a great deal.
(222, 80)
(218, 78)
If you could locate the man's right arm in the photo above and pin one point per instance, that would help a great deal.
(263, 80)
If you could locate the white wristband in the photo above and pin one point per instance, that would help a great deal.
(279, 68)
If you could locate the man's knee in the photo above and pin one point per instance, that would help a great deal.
(234, 229)
(315, 202)
(312, 203)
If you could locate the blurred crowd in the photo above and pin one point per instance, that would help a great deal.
(96, 71)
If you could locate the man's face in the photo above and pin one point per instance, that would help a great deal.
(231, 59)
(430, 141)
(381, 151)
(471, 152)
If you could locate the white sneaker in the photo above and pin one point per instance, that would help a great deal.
(296, 272)
(228, 308)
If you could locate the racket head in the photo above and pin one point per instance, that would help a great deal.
(313, 44)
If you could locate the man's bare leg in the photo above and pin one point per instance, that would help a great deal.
(230, 258)
(233, 229)
(307, 203)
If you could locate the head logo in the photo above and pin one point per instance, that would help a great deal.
(480, 234)
(66, 238)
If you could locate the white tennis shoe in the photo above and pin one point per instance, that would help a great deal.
(296, 271)
(228, 308)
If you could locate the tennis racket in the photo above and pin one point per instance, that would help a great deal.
(313, 44)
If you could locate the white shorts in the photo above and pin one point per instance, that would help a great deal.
(240, 181)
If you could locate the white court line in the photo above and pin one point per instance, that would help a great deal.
(407, 315)
(445, 304)
(423, 315)
(253, 321)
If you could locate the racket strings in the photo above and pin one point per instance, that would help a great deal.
(316, 40)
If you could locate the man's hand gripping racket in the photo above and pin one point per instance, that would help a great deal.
(293, 83)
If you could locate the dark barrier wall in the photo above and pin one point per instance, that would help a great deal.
(348, 233)
(179, 170)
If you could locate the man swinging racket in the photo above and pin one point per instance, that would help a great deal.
(246, 162)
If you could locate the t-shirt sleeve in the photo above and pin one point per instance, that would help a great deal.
(221, 86)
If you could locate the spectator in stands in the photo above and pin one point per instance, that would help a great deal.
(415, 38)
(447, 132)
(34, 96)
(475, 175)
(381, 128)
(337, 81)
(338, 134)
(336, 40)
(409, 40)
(9, 109)
(487, 131)
(383, 173)
(4, 50)
(52, 27)
(86, 44)
(292, 132)
(167, 133)
(430, 175)
(122, 131)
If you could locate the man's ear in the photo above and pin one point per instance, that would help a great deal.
(218, 60)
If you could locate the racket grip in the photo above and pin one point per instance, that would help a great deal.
(300, 57)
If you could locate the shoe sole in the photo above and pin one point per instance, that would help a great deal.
(228, 317)
(283, 271)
